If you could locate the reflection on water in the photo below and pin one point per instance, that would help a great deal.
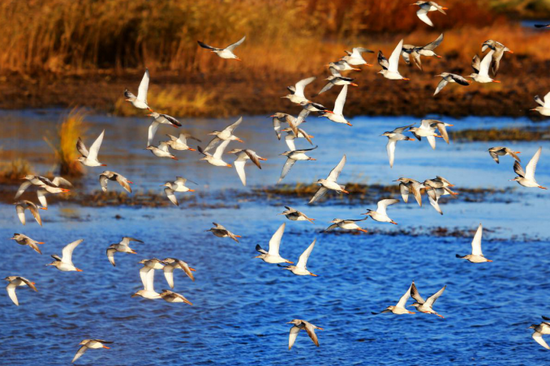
(242, 304)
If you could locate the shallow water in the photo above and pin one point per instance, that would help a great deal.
(241, 304)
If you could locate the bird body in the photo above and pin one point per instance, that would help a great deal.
(330, 183)
(225, 53)
(65, 263)
(299, 325)
(272, 254)
(140, 102)
(527, 178)
(23, 239)
(477, 255)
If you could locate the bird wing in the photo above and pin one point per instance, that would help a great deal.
(204, 45)
(538, 338)
(41, 194)
(390, 148)
(253, 157)
(212, 144)
(311, 332)
(20, 213)
(300, 86)
(289, 139)
(171, 196)
(416, 59)
(172, 120)
(422, 14)
(416, 295)
(518, 169)
(357, 51)
(22, 189)
(61, 181)
(394, 58)
(443, 83)
(94, 149)
(486, 63)
(340, 101)
(81, 148)
(459, 79)
(126, 240)
(233, 126)
(494, 156)
(143, 87)
(547, 99)
(111, 256)
(149, 280)
(432, 45)
(403, 300)
(335, 173)
(476, 242)
(103, 181)
(292, 336)
(239, 167)
(34, 211)
(302, 261)
(532, 166)
(11, 293)
(334, 72)
(382, 61)
(431, 300)
(329, 85)
(79, 353)
(537, 99)
(67, 252)
(415, 189)
(169, 275)
(143, 275)
(443, 131)
(152, 132)
(219, 150)
(286, 168)
(383, 204)
(275, 241)
(404, 190)
(123, 182)
(164, 147)
(434, 203)
(231, 47)
(476, 64)
(320, 193)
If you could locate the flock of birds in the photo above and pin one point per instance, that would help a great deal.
(213, 154)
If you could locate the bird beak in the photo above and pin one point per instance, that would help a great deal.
(496, 81)
(191, 149)
(238, 59)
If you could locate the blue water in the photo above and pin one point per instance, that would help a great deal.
(241, 304)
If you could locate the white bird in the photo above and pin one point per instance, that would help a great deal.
(242, 156)
(44, 186)
(343, 65)
(13, 283)
(108, 175)
(171, 296)
(296, 215)
(147, 275)
(544, 107)
(292, 121)
(90, 158)
(227, 52)
(539, 330)
(336, 79)
(393, 137)
(90, 344)
(337, 115)
(300, 324)
(399, 308)
(355, 57)
(408, 185)
(427, 305)
(21, 206)
(527, 178)
(292, 157)
(428, 128)
(300, 269)
(477, 255)
(425, 8)
(380, 214)
(499, 49)
(23, 239)
(330, 182)
(291, 136)
(176, 186)
(409, 51)
(157, 121)
(481, 69)
(497, 151)
(272, 254)
(346, 225)
(215, 159)
(122, 247)
(297, 92)
(389, 68)
(448, 77)
(170, 264)
(140, 102)
(224, 135)
(65, 263)
(161, 151)
(221, 232)
(180, 143)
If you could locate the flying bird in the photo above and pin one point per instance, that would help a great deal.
(108, 175)
(337, 114)
(23, 205)
(448, 77)
(90, 158)
(297, 91)
(541, 329)
(399, 308)
(224, 135)
(272, 254)
(389, 68)
(180, 143)
(296, 215)
(409, 51)
(159, 119)
(330, 183)
(425, 306)
(346, 225)
(300, 324)
(355, 57)
(122, 247)
(527, 178)
(171, 296)
(216, 158)
(90, 344)
(477, 255)
(170, 264)
(65, 263)
(393, 137)
(497, 151)
(481, 69)
(23, 239)
(499, 49)
(300, 269)
(140, 102)
(227, 52)
(292, 157)
(242, 156)
(410, 186)
(221, 232)
(380, 214)
(161, 151)
(544, 107)
(13, 283)
(176, 186)
(425, 8)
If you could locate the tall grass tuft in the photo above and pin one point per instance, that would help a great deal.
(69, 130)
(13, 171)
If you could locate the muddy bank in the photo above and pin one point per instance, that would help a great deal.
(220, 94)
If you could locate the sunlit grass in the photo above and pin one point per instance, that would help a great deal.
(13, 171)
(64, 146)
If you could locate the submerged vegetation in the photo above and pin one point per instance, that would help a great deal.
(64, 146)
(502, 134)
